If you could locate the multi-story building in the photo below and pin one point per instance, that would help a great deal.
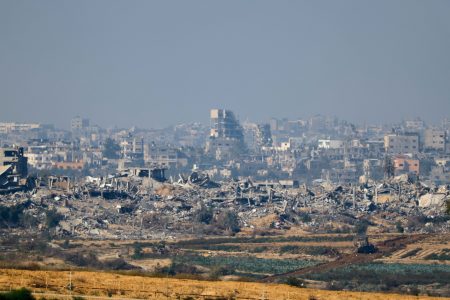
(373, 168)
(78, 123)
(18, 127)
(317, 123)
(164, 157)
(225, 125)
(132, 148)
(257, 136)
(401, 143)
(434, 139)
(226, 135)
(404, 164)
(40, 161)
(331, 144)
(415, 124)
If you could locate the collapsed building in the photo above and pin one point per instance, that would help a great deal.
(140, 203)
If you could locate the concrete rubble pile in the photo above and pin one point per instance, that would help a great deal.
(135, 206)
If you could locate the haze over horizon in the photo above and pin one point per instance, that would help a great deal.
(157, 63)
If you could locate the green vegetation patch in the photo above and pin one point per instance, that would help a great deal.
(444, 255)
(246, 264)
(310, 250)
(388, 274)
(200, 243)
(22, 294)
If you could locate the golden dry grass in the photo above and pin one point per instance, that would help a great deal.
(126, 286)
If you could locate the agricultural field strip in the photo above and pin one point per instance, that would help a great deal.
(71, 296)
(321, 240)
(388, 247)
(414, 261)
(248, 264)
(211, 289)
(401, 272)
(275, 244)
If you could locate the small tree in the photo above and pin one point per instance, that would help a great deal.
(361, 227)
(389, 168)
(111, 149)
(137, 251)
(66, 244)
(305, 217)
(52, 218)
(399, 227)
(205, 215)
(228, 220)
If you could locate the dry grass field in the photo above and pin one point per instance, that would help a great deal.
(137, 287)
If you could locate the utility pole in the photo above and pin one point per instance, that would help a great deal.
(70, 282)
(354, 196)
(376, 194)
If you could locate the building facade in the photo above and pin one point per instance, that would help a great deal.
(434, 139)
(398, 144)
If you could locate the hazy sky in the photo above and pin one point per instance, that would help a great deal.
(155, 63)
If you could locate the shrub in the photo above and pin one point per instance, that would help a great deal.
(21, 294)
(117, 264)
(219, 271)
(228, 220)
(178, 268)
(52, 218)
(399, 227)
(205, 215)
(137, 251)
(86, 259)
(305, 217)
(14, 216)
(66, 244)
(361, 227)
(292, 281)
(111, 149)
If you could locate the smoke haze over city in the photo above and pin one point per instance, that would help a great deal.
(157, 63)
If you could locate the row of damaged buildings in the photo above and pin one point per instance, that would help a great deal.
(303, 150)
(317, 175)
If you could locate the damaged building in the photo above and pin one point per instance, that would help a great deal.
(226, 135)
(13, 167)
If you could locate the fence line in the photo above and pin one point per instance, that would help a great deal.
(149, 294)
